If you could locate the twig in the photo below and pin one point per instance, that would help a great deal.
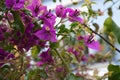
(111, 5)
(102, 38)
(62, 59)
(107, 9)
(58, 23)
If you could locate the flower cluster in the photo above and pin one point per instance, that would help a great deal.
(15, 4)
(90, 42)
(5, 56)
(32, 27)
(32, 33)
(73, 14)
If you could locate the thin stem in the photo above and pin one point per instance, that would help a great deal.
(107, 9)
(111, 5)
(58, 23)
(10, 24)
(22, 68)
(102, 38)
(62, 60)
(22, 63)
(21, 74)
(13, 59)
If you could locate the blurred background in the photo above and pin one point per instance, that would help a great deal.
(99, 20)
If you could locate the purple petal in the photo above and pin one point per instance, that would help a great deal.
(60, 11)
(70, 49)
(10, 56)
(43, 34)
(74, 15)
(1, 64)
(93, 45)
(48, 18)
(76, 53)
(40, 63)
(36, 8)
(46, 57)
(19, 5)
(84, 58)
(9, 3)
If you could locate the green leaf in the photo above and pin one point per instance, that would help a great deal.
(84, 13)
(9, 47)
(74, 24)
(30, 75)
(1, 77)
(111, 26)
(75, 3)
(63, 29)
(43, 74)
(54, 0)
(84, 5)
(27, 12)
(35, 51)
(119, 7)
(54, 45)
(91, 12)
(5, 69)
(115, 72)
(93, 3)
(107, 1)
(96, 26)
(2, 6)
(60, 0)
(18, 22)
(71, 76)
(36, 74)
(110, 13)
(1, 17)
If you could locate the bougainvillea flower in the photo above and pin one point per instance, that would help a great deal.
(5, 56)
(27, 21)
(73, 50)
(91, 43)
(46, 33)
(59, 69)
(25, 42)
(76, 52)
(70, 49)
(25, 18)
(36, 8)
(15, 4)
(19, 4)
(92, 55)
(29, 28)
(45, 58)
(48, 18)
(30, 41)
(39, 63)
(9, 3)
(80, 38)
(10, 17)
(2, 33)
(74, 15)
(60, 11)
(84, 58)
